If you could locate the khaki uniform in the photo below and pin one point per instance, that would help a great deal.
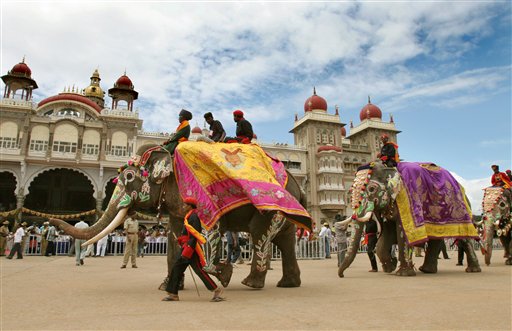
(4, 232)
(131, 226)
(44, 241)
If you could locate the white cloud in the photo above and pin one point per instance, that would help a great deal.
(474, 191)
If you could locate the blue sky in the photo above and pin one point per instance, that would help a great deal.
(442, 69)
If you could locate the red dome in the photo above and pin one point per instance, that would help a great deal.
(315, 102)
(343, 132)
(21, 69)
(328, 148)
(124, 81)
(370, 111)
(71, 97)
(197, 130)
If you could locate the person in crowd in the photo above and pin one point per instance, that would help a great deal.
(340, 231)
(131, 227)
(4, 232)
(191, 254)
(101, 246)
(244, 133)
(325, 235)
(44, 234)
(182, 131)
(51, 237)
(79, 251)
(217, 132)
(18, 237)
(371, 230)
(234, 250)
(141, 241)
(389, 152)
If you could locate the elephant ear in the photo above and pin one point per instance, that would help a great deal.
(394, 185)
(159, 166)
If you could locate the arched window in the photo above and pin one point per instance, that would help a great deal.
(91, 142)
(65, 139)
(9, 135)
(39, 137)
(119, 144)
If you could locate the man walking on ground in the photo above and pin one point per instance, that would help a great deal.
(79, 250)
(18, 237)
(131, 227)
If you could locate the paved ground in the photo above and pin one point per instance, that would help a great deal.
(51, 293)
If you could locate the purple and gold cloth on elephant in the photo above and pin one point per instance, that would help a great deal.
(225, 176)
(432, 204)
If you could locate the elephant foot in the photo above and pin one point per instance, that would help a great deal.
(508, 262)
(406, 271)
(390, 266)
(340, 273)
(253, 283)
(473, 269)
(289, 282)
(427, 270)
(223, 273)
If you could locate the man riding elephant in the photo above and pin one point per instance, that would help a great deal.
(389, 152)
(182, 131)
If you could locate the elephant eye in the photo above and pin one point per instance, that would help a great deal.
(502, 204)
(129, 175)
(372, 189)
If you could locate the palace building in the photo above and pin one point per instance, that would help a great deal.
(60, 155)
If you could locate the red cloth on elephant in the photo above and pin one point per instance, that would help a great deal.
(501, 179)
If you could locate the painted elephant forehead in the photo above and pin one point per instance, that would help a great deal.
(358, 187)
(223, 177)
(491, 197)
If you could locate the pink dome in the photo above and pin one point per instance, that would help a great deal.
(197, 129)
(370, 111)
(124, 81)
(315, 102)
(21, 69)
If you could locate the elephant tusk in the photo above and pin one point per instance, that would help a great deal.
(366, 217)
(345, 221)
(118, 220)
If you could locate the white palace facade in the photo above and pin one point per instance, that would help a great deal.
(59, 155)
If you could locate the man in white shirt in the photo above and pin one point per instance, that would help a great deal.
(79, 251)
(101, 247)
(326, 235)
(18, 237)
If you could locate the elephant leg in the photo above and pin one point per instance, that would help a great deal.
(265, 230)
(505, 241)
(385, 245)
(285, 241)
(507, 246)
(473, 265)
(431, 253)
(404, 254)
(222, 271)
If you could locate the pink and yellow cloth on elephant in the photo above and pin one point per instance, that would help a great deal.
(432, 204)
(223, 177)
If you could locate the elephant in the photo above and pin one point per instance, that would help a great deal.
(154, 185)
(496, 218)
(374, 195)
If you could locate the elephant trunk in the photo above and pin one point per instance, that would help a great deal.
(97, 227)
(487, 242)
(352, 249)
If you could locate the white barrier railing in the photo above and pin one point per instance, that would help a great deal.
(304, 249)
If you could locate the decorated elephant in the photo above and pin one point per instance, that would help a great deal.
(414, 203)
(147, 181)
(496, 218)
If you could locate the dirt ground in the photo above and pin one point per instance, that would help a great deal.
(51, 293)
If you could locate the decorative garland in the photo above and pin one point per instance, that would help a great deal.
(361, 190)
(8, 213)
(151, 218)
(69, 216)
(142, 170)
